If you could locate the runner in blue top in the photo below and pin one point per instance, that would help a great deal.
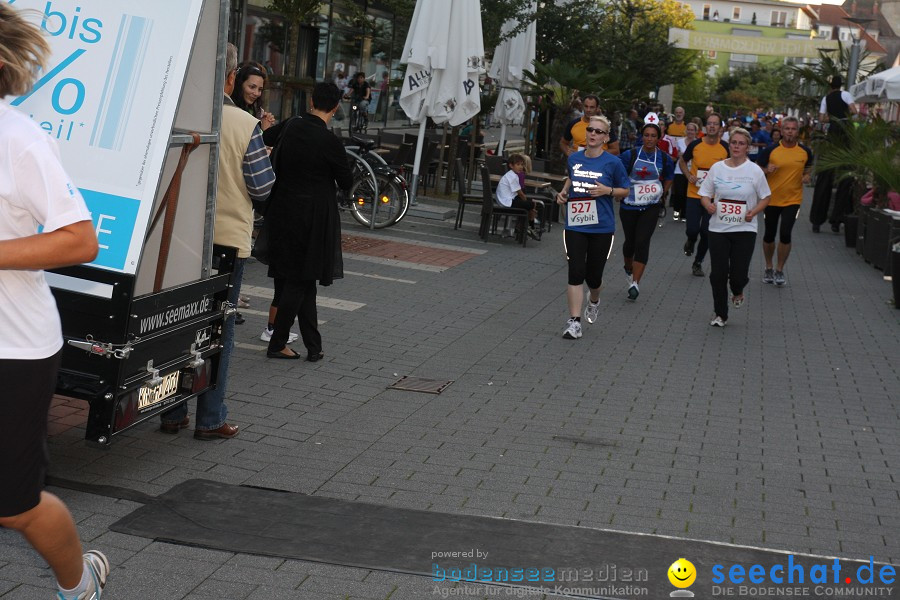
(651, 171)
(595, 178)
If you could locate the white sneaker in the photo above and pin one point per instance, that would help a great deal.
(633, 291)
(573, 330)
(266, 336)
(98, 567)
(718, 322)
(591, 310)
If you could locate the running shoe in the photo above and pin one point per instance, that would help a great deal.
(769, 276)
(573, 330)
(591, 310)
(697, 270)
(737, 301)
(628, 274)
(533, 234)
(718, 322)
(688, 248)
(633, 291)
(675, 215)
(267, 333)
(98, 568)
(779, 278)
(243, 301)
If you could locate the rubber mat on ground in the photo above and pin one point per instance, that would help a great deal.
(458, 550)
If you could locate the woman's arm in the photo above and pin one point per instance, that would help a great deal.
(563, 194)
(760, 206)
(70, 245)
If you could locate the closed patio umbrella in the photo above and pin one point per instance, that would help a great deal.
(511, 58)
(444, 53)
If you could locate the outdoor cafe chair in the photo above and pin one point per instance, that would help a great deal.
(462, 198)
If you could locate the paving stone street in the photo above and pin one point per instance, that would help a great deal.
(779, 431)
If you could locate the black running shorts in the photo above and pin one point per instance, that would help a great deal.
(28, 388)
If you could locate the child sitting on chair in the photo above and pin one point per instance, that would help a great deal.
(510, 194)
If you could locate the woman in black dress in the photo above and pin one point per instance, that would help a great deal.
(303, 220)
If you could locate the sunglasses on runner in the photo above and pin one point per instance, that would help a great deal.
(595, 130)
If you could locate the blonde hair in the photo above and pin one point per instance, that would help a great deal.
(23, 52)
(600, 118)
(741, 131)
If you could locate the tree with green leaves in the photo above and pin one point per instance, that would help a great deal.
(633, 37)
(768, 86)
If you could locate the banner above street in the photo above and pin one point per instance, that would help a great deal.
(701, 40)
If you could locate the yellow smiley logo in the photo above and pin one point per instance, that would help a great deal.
(682, 573)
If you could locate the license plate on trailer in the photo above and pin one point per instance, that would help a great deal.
(150, 395)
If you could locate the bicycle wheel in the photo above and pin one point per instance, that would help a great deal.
(390, 201)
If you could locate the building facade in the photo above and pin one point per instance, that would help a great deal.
(773, 20)
(343, 36)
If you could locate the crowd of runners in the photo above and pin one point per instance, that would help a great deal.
(721, 179)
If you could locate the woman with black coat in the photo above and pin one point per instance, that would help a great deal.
(303, 220)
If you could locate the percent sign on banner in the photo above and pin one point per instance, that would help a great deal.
(109, 99)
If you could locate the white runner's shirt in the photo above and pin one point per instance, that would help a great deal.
(34, 191)
(681, 144)
(745, 185)
(507, 188)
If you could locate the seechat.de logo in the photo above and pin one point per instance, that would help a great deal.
(682, 574)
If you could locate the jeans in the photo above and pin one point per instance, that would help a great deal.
(697, 224)
(211, 409)
(729, 258)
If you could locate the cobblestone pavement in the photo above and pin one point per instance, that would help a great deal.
(779, 431)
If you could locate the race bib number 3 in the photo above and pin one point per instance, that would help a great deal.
(581, 212)
(731, 212)
(647, 192)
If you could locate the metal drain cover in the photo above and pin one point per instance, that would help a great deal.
(420, 384)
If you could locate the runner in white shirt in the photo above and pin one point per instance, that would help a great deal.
(733, 193)
(35, 191)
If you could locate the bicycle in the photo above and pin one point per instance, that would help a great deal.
(359, 116)
(378, 194)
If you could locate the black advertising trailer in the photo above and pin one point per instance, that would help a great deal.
(137, 91)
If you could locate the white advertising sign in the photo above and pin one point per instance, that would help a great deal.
(108, 97)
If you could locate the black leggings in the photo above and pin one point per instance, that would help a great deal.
(587, 254)
(788, 215)
(638, 226)
(697, 224)
(678, 198)
(729, 259)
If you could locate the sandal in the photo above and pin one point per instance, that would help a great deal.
(280, 354)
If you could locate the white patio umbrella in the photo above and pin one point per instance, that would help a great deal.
(444, 52)
(880, 87)
(511, 58)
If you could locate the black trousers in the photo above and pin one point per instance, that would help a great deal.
(298, 300)
(729, 260)
(843, 202)
(678, 197)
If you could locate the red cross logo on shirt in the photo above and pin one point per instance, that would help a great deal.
(643, 172)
